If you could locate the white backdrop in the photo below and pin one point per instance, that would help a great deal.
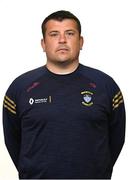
(106, 30)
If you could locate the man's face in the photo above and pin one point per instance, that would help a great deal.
(62, 41)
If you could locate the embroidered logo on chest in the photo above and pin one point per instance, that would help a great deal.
(87, 98)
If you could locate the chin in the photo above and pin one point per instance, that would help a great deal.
(64, 62)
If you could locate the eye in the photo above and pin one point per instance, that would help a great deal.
(70, 33)
(54, 34)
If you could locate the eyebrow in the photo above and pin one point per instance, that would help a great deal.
(71, 30)
(56, 31)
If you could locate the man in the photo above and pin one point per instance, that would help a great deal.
(64, 120)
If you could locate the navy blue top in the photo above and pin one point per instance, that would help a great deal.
(64, 126)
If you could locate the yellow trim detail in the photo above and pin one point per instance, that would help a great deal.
(119, 93)
(117, 105)
(12, 102)
(50, 99)
(6, 102)
(12, 111)
(87, 104)
(10, 105)
(117, 100)
(86, 92)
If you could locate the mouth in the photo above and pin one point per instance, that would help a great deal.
(63, 49)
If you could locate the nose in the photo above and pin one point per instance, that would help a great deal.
(62, 38)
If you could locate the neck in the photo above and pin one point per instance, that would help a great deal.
(62, 68)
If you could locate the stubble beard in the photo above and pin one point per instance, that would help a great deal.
(63, 63)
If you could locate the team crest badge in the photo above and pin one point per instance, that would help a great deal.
(87, 98)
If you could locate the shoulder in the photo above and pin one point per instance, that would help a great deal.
(95, 74)
(102, 79)
(25, 79)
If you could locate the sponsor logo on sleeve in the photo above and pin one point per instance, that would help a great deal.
(40, 100)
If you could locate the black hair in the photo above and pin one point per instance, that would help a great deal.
(60, 16)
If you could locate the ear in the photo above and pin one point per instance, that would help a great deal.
(43, 44)
(81, 42)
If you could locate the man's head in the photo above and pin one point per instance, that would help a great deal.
(60, 16)
(62, 38)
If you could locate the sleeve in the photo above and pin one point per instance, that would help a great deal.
(11, 125)
(116, 121)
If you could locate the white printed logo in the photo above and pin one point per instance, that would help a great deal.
(31, 101)
(40, 101)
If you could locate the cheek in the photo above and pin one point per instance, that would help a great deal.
(50, 46)
(75, 46)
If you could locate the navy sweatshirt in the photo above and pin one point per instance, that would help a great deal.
(64, 126)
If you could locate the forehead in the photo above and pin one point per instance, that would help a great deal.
(66, 24)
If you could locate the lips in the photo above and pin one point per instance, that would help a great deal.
(62, 49)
